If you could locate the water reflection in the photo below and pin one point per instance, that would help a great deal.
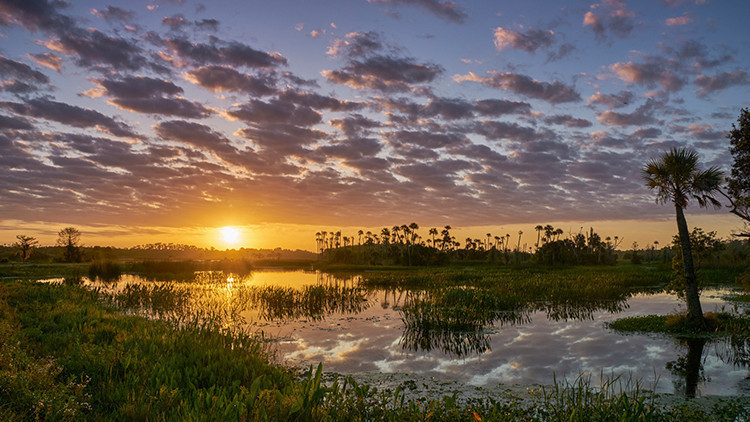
(315, 302)
(688, 369)
(479, 336)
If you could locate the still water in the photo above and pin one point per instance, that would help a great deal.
(315, 317)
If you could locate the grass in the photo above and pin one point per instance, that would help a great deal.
(33, 270)
(720, 323)
(65, 354)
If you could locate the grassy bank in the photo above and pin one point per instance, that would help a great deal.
(67, 355)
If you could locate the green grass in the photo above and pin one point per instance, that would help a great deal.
(717, 324)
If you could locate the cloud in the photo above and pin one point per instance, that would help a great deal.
(12, 69)
(203, 137)
(621, 99)
(20, 78)
(48, 60)
(678, 21)
(70, 115)
(222, 53)
(429, 140)
(274, 112)
(175, 22)
(113, 13)
(443, 9)
(356, 44)
(137, 87)
(495, 131)
(564, 51)
(710, 84)
(34, 15)
(384, 73)
(149, 95)
(354, 124)
(643, 115)
(353, 150)
(194, 134)
(609, 16)
(14, 123)
(567, 120)
(207, 24)
(555, 92)
(649, 74)
(286, 140)
(225, 78)
(94, 48)
(317, 101)
(494, 107)
(530, 42)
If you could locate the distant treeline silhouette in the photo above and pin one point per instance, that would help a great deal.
(70, 249)
(404, 245)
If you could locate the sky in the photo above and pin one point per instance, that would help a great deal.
(147, 121)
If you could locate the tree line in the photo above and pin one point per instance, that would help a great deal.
(405, 245)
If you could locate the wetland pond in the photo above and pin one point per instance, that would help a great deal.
(460, 334)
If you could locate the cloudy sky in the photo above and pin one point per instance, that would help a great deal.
(141, 120)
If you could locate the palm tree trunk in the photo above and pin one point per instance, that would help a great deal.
(695, 313)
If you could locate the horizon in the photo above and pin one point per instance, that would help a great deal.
(170, 120)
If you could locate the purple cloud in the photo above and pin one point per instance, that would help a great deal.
(384, 73)
(443, 9)
(225, 78)
(70, 115)
(709, 84)
(531, 41)
(555, 92)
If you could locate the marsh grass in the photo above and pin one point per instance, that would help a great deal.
(105, 270)
(313, 301)
(67, 355)
(717, 323)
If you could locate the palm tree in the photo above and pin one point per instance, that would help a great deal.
(538, 234)
(520, 233)
(548, 231)
(675, 178)
(385, 235)
(433, 233)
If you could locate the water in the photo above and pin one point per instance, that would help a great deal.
(354, 330)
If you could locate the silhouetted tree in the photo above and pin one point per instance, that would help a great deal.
(538, 234)
(70, 238)
(25, 245)
(676, 178)
(739, 180)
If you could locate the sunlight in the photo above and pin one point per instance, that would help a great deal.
(230, 235)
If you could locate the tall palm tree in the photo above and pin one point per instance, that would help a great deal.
(538, 229)
(520, 233)
(676, 178)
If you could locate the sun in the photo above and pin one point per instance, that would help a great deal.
(230, 235)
